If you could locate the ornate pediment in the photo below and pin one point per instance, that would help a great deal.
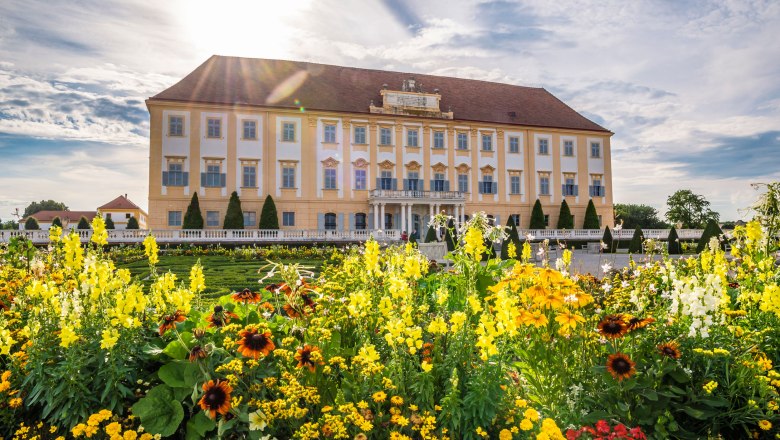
(462, 168)
(330, 163)
(386, 165)
(487, 169)
(360, 163)
(413, 166)
(439, 168)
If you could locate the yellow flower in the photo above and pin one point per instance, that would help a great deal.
(710, 386)
(15, 402)
(197, 280)
(475, 243)
(67, 336)
(426, 366)
(526, 425)
(481, 432)
(99, 233)
(568, 319)
(109, 339)
(113, 428)
(379, 396)
(505, 434)
(531, 414)
(151, 250)
(521, 403)
(55, 234)
(766, 425)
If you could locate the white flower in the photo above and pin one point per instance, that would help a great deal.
(540, 252)
(606, 267)
(606, 287)
(624, 284)
(257, 421)
(619, 227)
(603, 245)
(529, 237)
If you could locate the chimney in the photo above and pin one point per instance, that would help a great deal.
(125, 195)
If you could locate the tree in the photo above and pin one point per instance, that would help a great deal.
(642, 216)
(635, 246)
(44, 205)
(83, 223)
(673, 242)
(234, 217)
(537, 216)
(513, 237)
(607, 239)
(110, 223)
(56, 222)
(31, 224)
(193, 219)
(132, 223)
(591, 217)
(430, 236)
(691, 210)
(711, 230)
(448, 236)
(269, 219)
(565, 219)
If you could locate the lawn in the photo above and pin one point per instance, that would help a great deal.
(223, 274)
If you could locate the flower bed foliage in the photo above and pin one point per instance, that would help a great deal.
(128, 254)
(381, 345)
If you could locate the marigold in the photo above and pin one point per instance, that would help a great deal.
(766, 425)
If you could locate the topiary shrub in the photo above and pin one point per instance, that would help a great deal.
(234, 217)
(591, 217)
(607, 239)
(110, 223)
(537, 216)
(193, 219)
(31, 224)
(132, 223)
(56, 222)
(513, 237)
(711, 230)
(673, 243)
(565, 219)
(430, 236)
(83, 223)
(269, 219)
(635, 246)
(448, 236)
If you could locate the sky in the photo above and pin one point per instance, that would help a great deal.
(691, 89)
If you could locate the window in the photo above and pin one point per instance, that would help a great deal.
(488, 186)
(213, 178)
(439, 183)
(250, 218)
(108, 215)
(214, 127)
(249, 178)
(288, 218)
(596, 189)
(330, 133)
(127, 216)
(515, 219)
(546, 220)
(514, 145)
(330, 221)
(360, 135)
(411, 138)
(487, 142)
(330, 178)
(386, 180)
(438, 139)
(595, 149)
(212, 218)
(388, 221)
(175, 176)
(174, 218)
(463, 183)
(544, 185)
(544, 146)
(514, 184)
(250, 130)
(412, 181)
(568, 148)
(360, 179)
(569, 186)
(288, 177)
(463, 141)
(360, 221)
(385, 136)
(176, 126)
(288, 131)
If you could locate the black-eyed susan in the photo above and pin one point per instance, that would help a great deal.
(308, 357)
(620, 366)
(635, 323)
(216, 397)
(246, 296)
(197, 352)
(670, 349)
(252, 343)
(613, 326)
(169, 321)
(220, 317)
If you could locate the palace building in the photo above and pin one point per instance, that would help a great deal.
(343, 148)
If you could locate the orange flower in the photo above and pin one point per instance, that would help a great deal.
(246, 296)
(169, 321)
(635, 323)
(216, 397)
(197, 352)
(308, 357)
(670, 349)
(220, 317)
(253, 344)
(620, 366)
(613, 326)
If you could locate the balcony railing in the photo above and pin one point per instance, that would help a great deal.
(409, 194)
(598, 191)
(175, 178)
(570, 190)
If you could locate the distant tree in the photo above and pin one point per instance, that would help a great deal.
(44, 205)
(711, 230)
(448, 238)
(643, 216)
(193, 219)
(565, 219)
(132, 223)
(635, 246)
(269, 219)
(234, 217)
(513, 237)
(31, 224)
(56, 222)
(674, 246)
(608, 241)
(430, 236)
(83, 223)
(537, 216)
(692, 210)
(110, 223)
(591, 217)
(10, 224)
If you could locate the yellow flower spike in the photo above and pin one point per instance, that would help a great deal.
(151, 250)
(99, 232)
(474, 243)
(55, 234)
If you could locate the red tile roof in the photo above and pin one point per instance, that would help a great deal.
(71, 216)
(250, 81)
(120, 202)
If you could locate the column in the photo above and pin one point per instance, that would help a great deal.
(376, 216)
(382, 216)
(410, 225)
(403, 217)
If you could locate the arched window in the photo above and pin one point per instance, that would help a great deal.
(330, 221)
(360, 221)
(388, 221)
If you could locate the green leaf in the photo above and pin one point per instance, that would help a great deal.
(714, 402)
(650, 395)
(199, 425)
(159, 411)
(699, 414)
(179, 374)
(680, 376)
(175, 350)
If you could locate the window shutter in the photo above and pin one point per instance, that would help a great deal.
(185, 177)
(576, 190)
(563, 189)
(378, 183)
(420, 185)
(494, 187)
(165, 178)
(352, 219)
(202, 179)
(406, 184)
(371, 221)
(320, 221)
(222, 179)
(446, 185)
(396, 221)
(394, 184)
(340, 221)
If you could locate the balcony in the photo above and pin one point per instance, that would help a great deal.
(570, 190)
(175, 178)
(598, 191)
(488, 187)
(415, 196)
